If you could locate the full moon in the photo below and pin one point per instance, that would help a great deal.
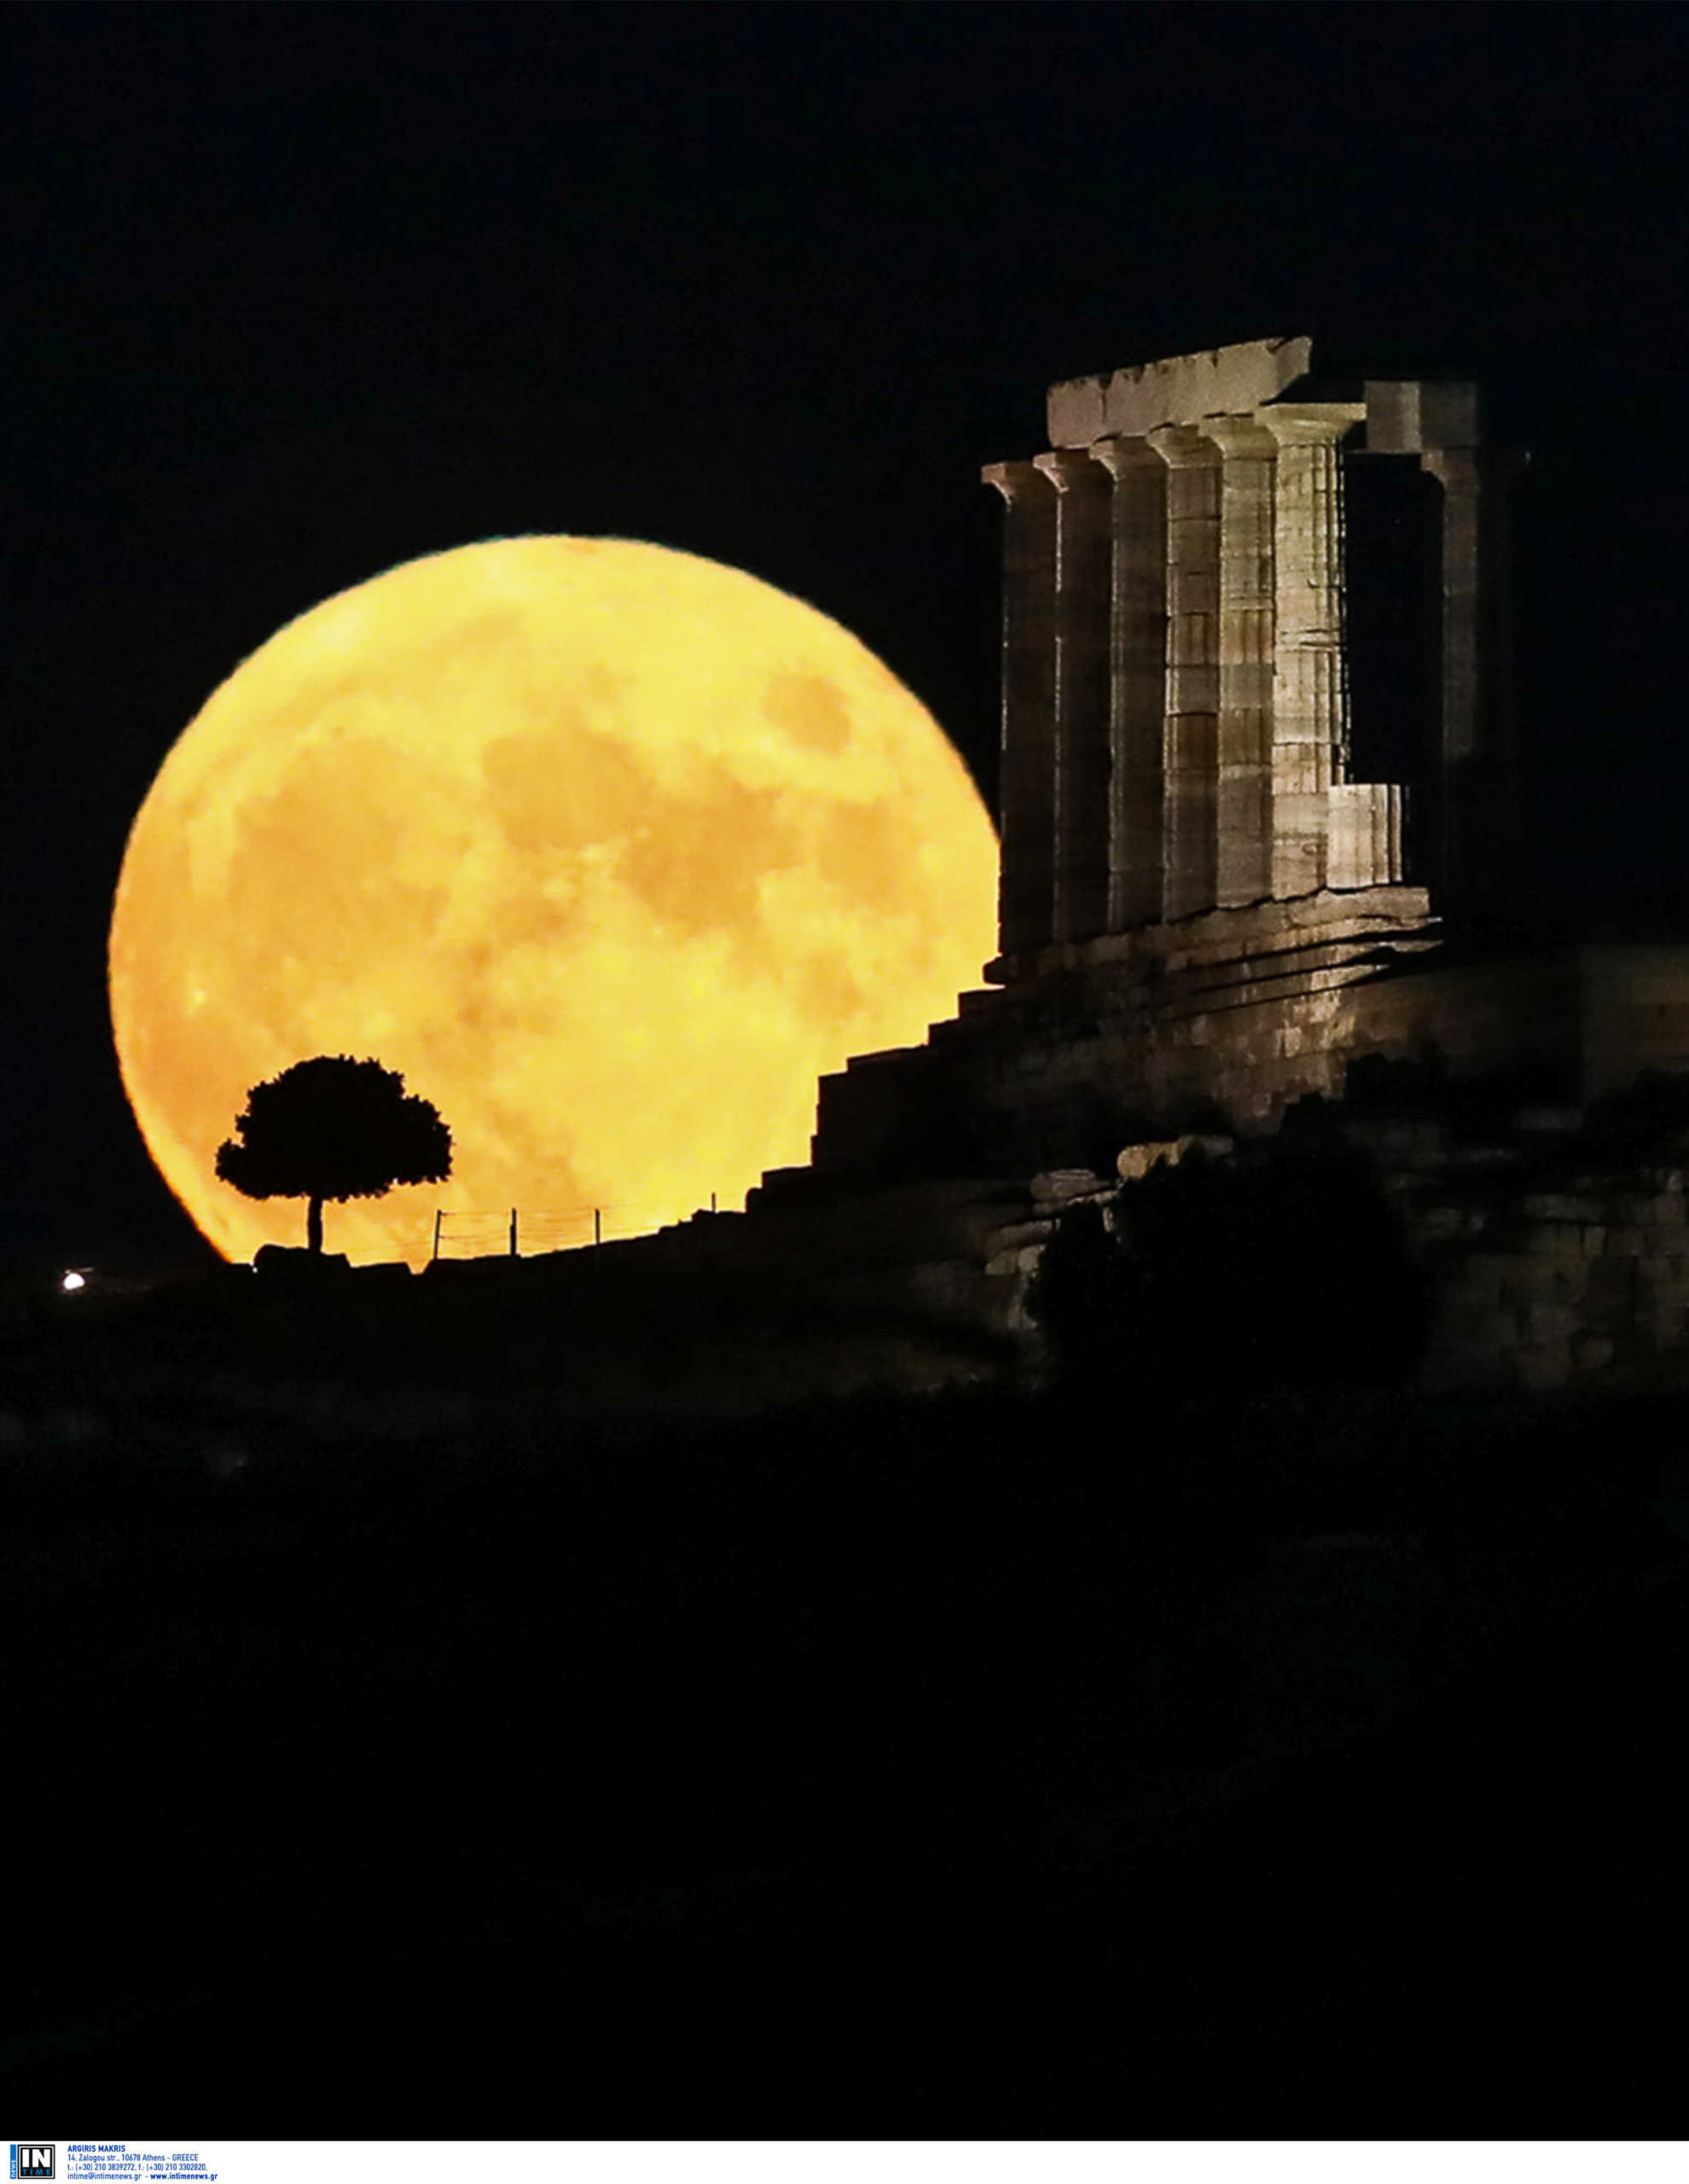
(610, 849)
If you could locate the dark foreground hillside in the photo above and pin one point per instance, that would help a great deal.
(975, 1765)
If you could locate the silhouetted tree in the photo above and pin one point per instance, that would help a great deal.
(333, 1128)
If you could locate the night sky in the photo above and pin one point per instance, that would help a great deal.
(292, 295)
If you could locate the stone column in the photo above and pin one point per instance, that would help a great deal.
(1137, 680)
(1026, 786)
(1080, 889)
(1245, 788)
(1479, 851)
(1190, 730)
(1310, 693)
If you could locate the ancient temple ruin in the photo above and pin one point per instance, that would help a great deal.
(1214, 898)
(1176, 695)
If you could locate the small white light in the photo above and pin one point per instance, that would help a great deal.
(73, 1281)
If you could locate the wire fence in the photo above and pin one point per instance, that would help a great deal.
(512, 1234)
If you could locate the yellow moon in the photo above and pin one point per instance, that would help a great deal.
(611, 851)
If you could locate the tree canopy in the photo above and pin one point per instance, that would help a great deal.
(333, 1128)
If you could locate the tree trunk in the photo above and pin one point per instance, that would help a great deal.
(314, 1225)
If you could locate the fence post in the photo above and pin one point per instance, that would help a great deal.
(597, 1227)
(712, 1201)
(437, 1232)
(513, 1232)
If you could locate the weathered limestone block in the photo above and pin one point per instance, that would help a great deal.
(1364, 824)
(1176, 390)
(1134, 1162)
(1066, 1186)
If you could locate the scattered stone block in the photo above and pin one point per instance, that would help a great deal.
(1134, 1162)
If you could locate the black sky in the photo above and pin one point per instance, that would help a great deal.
(293, 294)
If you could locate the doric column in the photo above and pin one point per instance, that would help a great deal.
(1137, 680)
(1478, 854)
(1192, 670)
(1310, 693)
(1026, 790)
(1080, 889)
(1245, 788)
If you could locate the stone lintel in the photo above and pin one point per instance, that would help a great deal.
(1176, 390)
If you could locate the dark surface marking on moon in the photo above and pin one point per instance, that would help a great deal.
(564, 788)
(324, 824)
(696, 865)
(810, 710)
(864, 847)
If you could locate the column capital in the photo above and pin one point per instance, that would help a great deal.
(1311, 424)
(1011, 479)
(1067, 466)
(1125, 458)
(1238, 436)
(1183, 447)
